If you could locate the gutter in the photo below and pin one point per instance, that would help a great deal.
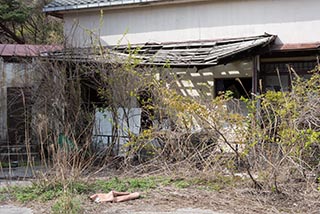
(113, 5)
(96, 5)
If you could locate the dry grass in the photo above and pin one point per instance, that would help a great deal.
(168, 193)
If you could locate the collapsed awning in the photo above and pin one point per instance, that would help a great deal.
(180, 54)
(198, 53)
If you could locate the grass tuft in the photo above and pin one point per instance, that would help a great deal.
(67, 204)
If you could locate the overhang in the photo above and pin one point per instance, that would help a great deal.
(296, 47)
(62, 6)
(291, 50)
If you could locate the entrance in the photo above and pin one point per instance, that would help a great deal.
(18, 114)
(240, 87)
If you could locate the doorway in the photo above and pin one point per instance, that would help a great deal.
(240, 87)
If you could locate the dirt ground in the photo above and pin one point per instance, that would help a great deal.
(227, 201)
(295, 197)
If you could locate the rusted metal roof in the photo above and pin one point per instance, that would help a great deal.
(296, 47)
(10, 50)
(64, 5)
(180, 54)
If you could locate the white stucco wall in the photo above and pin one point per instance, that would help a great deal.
(200, 84)
(294, 21)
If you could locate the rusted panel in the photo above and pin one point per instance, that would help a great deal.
(296, 47)
(25, 50)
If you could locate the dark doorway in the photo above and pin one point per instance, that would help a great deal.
(240, 87)
(18, 114)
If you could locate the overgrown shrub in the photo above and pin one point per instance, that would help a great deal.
(284, 136)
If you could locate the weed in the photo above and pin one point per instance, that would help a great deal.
(35, 192)
(163, 181)
(112, 184)
(216, 184)
(50, 195)
(81, 187)
(133, 184)
(24, 194)
(3, 197)
(142, 184)
(67, 203)
(181, 184)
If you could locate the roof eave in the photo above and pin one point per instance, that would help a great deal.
(296, 47)
(113, 5)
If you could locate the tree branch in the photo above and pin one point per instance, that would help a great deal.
(12, 34)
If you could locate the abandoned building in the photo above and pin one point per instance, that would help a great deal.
(211, 46)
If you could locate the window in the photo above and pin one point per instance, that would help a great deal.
(276, 75)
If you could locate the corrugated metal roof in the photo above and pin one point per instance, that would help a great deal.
(63, 5)
(182, 54)
(25, 50)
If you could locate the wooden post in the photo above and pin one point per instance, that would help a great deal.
(255, 74)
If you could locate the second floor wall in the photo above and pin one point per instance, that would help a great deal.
(294, 21)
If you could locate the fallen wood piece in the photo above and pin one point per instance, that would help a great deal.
(114, 197)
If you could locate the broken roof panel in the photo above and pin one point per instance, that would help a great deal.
(64, 5)
(201, 53)
(181, 54)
